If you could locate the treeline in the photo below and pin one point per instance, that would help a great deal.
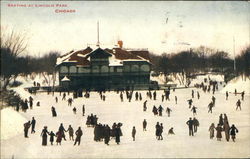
(201, 60)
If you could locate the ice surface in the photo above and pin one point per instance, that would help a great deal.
(131, 114)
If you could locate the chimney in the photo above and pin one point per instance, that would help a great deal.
(120, 43)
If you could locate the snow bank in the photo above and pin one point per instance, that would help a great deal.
(239, 84)
(11, 123)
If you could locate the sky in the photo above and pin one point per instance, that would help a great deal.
(161, 26)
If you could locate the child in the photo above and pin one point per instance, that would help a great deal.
(51, 134)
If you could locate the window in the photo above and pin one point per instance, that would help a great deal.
(134, 68)
(111, 69)
(72, 69)
(64, 69)
(126, 68)
(95, 69)
(83, 70)
(104, 69)
(145, 68)
(119, 69)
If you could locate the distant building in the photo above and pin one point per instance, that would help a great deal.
(104, 69)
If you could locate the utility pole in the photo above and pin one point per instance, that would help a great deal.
(98, 42)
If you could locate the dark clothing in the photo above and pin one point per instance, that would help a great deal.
(44, 136)
(190, 124)
(33, 123)
(117, 134)
(51, 139)
(53, 112)
(78, 136)
(26, 128)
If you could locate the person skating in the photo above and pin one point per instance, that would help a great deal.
(218, 134)
(168, 110)
(192, 93)
(133, 133)
(44, 136)
(26, 129)
(78, 136)
(59, 137)
(56, 100)
(154, 94)
(52, 135)
(160, 132)
(233, 130)
(31, 102)
(33, 124)
(221, 120)
(242, 95)
(145, 106)
(226, 95)
(70, 101)
(171, 131)
(62, 130)
(160, 109)
(238, 103)
(190, 124)
(144, 125)
(198, 95)
(83, 110)
(211, 130)
(107, 135)
(210, 107)
(74, 110)
(53, 110)
(64, 96)
(71, 132)
(226, 128)
(196, 124)
(121, 97)
(155, 110)
(117, 134)
(157, 131)
(194, 110)
(213, 100)
(175, 98)
(190, 101)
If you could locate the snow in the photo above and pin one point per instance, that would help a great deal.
(11, 123)
(239, 84)
(131, 114)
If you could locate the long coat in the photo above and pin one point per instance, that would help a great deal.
(219, 130)
(59, 136)
(44, 136)
(226, 128)
(211, 130)
(117, 134)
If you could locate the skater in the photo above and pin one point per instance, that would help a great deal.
(52, 135)
(238, 103)
(196, 124)
(175, 98)
(190, 124)
(154, 94)
(210, 107)
(121, 97)
(145, 106)
(44, 136)
(26, 128)
(31, 102)
(33, 124)
(162, 97)
(160, 109)
(242, 95)
(168, 110)
(192, 93)
(78, 136)
(38, 104)
(226, 95)
(64, 96)
(221, 120)
(71, 132)
(53, 110)
(198, 95)
(226, 128)
(56, 100)
(117, 134)
(157, 131)
(62, 130)
(133, 133)
(160, 132)
(155, 110)
(74, 110)
(218, 134)
(190, 101)
(233, 130)
(171, 131)
(70, 101)
(58, 137)
(213, 100)
(83, 110)
(194, 110)
(107, 135)
(235, 92)
(211, 130)
(144, 125)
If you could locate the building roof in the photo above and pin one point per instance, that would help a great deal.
(116, 56)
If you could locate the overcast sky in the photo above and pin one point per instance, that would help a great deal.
(159, 26)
